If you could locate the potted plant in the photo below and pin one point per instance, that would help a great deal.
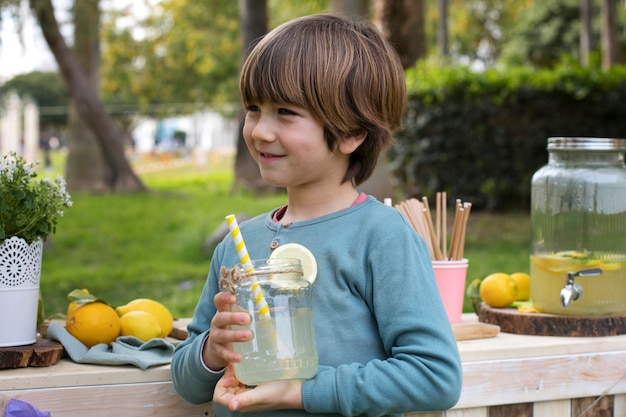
(29, 209)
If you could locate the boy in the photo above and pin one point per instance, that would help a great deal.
(323, 96)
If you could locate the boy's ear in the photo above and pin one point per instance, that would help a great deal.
(351, 141)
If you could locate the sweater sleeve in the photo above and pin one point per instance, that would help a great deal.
(422, 371)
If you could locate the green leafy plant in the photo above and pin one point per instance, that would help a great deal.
(29, 208)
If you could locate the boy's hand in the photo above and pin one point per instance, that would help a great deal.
(278, 395)
(218, 349)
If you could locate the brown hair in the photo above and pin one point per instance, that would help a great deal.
(343, 72)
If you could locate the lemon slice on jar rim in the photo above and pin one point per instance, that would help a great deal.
(298, 251)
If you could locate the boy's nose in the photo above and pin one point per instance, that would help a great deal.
(263, 130)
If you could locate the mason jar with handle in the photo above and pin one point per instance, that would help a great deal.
(279, 302)
(578, 228)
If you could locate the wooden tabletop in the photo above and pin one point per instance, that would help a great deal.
(503, 346)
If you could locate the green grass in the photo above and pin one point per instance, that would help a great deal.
(126, 246)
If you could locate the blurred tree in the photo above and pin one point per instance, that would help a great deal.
(117, 174)
(544, 34)
(184, 52)
(586, 40)
(475, 28)
(357, 9)
(85, 167)
(442, 28)
(610, 50)
(253, 21)
(549, 32)
(402, 23)
(280, 11)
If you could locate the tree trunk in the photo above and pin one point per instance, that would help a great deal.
(586, 43)
(119, 176)
(609, 34)
(356, 9)
(253, 18)
(442, 27)
(85, 168)
(402, 23)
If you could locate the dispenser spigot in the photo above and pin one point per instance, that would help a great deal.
(572, 291)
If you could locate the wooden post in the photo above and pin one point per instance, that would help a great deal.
(31, 131)
(11, 126)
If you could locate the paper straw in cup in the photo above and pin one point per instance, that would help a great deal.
(244, 257)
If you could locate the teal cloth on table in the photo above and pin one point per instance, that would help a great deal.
(125, 350)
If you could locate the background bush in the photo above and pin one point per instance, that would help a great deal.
(480, 136)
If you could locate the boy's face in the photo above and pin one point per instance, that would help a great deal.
(289, 146)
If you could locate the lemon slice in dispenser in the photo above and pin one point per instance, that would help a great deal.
(297, 251)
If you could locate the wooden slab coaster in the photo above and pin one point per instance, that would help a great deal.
(46, 353)
(540, 324)
(15, 356)
(43, 352)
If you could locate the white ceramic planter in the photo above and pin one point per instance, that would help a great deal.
(20, 271)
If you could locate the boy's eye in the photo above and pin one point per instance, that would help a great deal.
(254, 108)
(285, 111)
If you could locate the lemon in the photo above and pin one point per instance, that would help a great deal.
(297, 251)
(158, 310)
(610, 266)
(522, 280)
(566, 261)
(140, 324)
(498, 290)
(93, 322)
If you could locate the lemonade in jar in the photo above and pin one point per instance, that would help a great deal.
(578, 223)
(283, 342)
(602, 294)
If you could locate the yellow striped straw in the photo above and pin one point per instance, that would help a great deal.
(244, 257)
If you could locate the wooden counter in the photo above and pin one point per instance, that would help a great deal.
(507, 375)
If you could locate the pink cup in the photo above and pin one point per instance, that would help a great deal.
(450, 277)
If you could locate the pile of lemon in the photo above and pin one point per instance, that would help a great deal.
(92, 321)
(501, 289)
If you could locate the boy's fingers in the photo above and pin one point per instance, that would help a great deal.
(224, 300)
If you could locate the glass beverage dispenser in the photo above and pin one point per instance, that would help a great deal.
(578, 228)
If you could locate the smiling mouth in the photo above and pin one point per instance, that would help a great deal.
(269, 155)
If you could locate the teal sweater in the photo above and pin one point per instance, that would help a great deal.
(384, 341)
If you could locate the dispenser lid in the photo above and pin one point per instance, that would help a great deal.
(586, 144)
